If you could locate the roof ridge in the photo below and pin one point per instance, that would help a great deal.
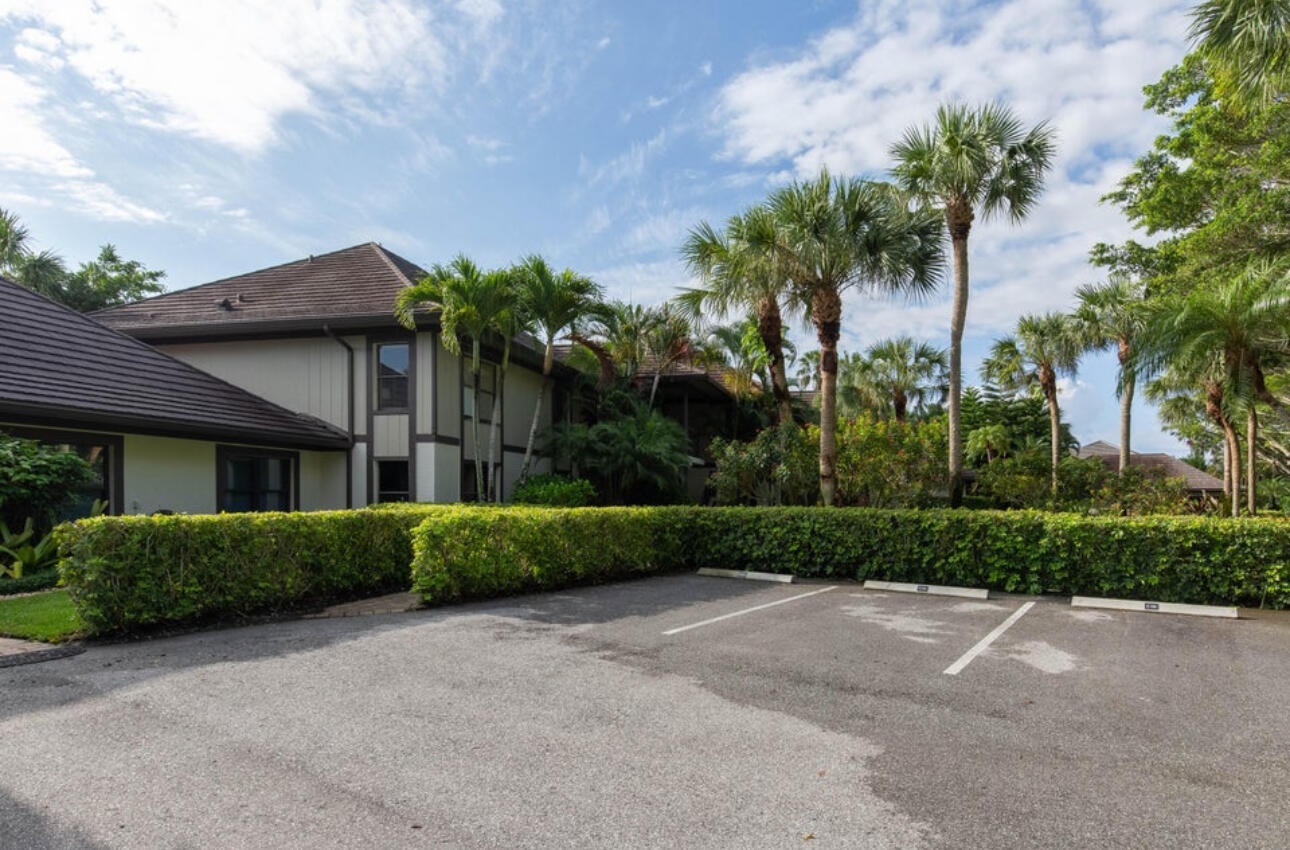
(226, 279)
(387, 257)
(184, 366)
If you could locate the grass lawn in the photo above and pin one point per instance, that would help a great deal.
(42, 616)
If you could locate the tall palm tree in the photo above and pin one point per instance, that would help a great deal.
(1111, 314)
(469, 301)
(738, 278)
(554, 301)
(900, 372)
(830, 236)
(970, 160)
(618, 334)
(510, 321)
(1042, 349)
(1225, 337)
(13, 242)
(1248, 38)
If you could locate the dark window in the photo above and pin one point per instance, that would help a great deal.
(392, 376)
(101, 452)
(255, 480)
(392, 481)
(469, 493)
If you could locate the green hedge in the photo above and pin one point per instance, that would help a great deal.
(128, 572)
(471, 552)
(475, 552)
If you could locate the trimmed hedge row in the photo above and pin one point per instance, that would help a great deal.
(469, 552)
(473, 552)
(127, 572)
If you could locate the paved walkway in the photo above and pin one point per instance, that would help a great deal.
(394, 603)
(14, 652)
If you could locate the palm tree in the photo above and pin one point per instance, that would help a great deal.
(510, 321)
(738, 347)
(667, 341)
(734, 276)
(1042, 349)
(617, 333)
(1225, 337)
(1248, 38)
(830, 236)
(808, 370)
(899, 372)
(971, 160)
(13, 242)
(469, 301)
(554, 301)
(1111, 314)
(988, 441)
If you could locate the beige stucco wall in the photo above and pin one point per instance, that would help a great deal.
(522, 388)
(322, 481)
(305, 375)
(390, 435)
(164, 473)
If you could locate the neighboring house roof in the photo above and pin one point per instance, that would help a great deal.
(351, 286)
(60, 367)
(1170, 466)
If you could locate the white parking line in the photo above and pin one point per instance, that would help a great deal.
(748, 610)
(953, 669)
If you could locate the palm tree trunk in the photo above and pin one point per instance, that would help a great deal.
(1126, 413)
(1251, 438)
(770, 326)
(548, 363)
(658, 373)
(1227, 468)
(899, 404)
(494, 425)
(826, 311)
(1234, 447)
(1054, 433)
(960, 224)
(474, 421)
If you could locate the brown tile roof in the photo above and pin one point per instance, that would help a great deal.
(1170, 466)
(361, 281)
(60, 367)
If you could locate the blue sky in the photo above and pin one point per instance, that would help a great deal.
(208, 139)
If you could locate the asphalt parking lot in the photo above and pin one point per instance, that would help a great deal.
(681, 711)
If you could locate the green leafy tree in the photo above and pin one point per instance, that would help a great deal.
(555, 301)
(1042, 349)
(37, 481)
(108, 281)
(971, 160)
(1110, 315)
(469, 301)
(988, 441)
(832, 235)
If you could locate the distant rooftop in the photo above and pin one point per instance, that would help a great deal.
(1172, 467)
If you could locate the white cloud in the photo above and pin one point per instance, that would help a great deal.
(706, 69)
(853, 90)
(644, 282)
(485, 143)
(100, 201)
(662, 232)
(628, 165)
(603, 43)
(653, 102)
(25, 145)
(229, 72)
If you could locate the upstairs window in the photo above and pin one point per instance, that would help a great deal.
(392, 376)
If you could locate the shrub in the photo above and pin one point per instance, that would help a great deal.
(37, 481)
(780, 466)
(469, 552)
(555, 491)
(127, 572)
(880, 464)
(1172, 559)
(30, 582)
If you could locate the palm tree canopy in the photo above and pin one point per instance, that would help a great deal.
(832, 234)
(1238, 327)
(470, 301)
(13, 241)
(1112, 315)
(1249, 38)
(553, 299)
(1043, 348)
(976, 158)
(900, 367)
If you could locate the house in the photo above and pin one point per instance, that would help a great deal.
(160, 434)
(318, 337)
(1198, 482)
